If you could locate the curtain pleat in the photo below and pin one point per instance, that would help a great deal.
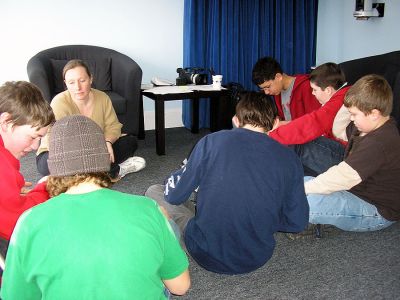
(231, 35)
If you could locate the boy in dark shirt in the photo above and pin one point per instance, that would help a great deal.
(362, 192)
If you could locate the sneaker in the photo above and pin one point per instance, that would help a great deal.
(131, 165)
(183, 163)
(312, 231)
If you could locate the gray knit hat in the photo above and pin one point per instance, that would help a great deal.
(77, 146)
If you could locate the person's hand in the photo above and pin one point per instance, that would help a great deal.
(281, 122)
(26, 187)
(276, 124)
(110, 151)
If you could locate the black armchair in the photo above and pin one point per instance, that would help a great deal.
(386, 65)
(114, 73)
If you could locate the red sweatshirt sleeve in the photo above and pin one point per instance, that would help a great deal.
(309, 126)
(12, 203)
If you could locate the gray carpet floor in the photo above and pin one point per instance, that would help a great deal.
(344, 265)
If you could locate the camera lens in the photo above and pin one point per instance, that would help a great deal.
(194, 78)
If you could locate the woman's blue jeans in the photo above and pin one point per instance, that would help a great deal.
(345, 211)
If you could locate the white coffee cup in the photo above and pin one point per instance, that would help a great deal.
(217, 81)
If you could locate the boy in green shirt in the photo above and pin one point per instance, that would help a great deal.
(90, 242)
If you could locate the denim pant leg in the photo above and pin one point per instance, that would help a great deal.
(124, 148)
(345, 211)
(319, 155)
(41, 163)
(3, 247)
(180, 214)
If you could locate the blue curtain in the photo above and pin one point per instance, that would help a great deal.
(231, 35)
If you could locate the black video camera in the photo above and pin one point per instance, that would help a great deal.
(197, 76)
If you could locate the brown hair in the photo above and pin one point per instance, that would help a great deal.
(60, 184)
(265, 69)
(256, 109)
(370, 92)
(328, 74)
(72, 64)
(25, 104)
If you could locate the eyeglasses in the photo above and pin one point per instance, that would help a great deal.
(267, 86)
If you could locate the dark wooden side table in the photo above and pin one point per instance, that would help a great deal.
(195, 96)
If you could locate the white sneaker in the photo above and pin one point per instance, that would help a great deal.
(131, 165)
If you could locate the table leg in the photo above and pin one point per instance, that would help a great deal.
(221, 112)
(195, 115)
(160, 127)
(141, 133)
(214, 113)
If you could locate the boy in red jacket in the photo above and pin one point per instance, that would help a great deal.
(320, 136)
(292, 94)
(24, 118)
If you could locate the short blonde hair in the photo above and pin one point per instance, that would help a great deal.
(370, 92)
(60, 184)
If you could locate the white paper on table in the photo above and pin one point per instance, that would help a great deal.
(208, 87)
(178, 89)
(161, 90)
(146, 86)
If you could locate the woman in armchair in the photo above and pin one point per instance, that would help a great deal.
(81, 98)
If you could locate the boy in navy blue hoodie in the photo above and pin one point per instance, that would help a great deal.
(250, 187)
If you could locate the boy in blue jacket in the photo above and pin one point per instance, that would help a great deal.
(250, 187)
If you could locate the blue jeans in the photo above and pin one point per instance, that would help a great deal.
(345, 211)
(319, 155)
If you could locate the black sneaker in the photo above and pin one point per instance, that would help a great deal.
(312, 231)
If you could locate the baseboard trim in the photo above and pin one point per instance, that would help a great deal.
(173, 118)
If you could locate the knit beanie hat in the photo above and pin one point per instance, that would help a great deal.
(77, 146)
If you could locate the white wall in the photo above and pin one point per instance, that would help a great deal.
(341, 37)
(150, 32)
